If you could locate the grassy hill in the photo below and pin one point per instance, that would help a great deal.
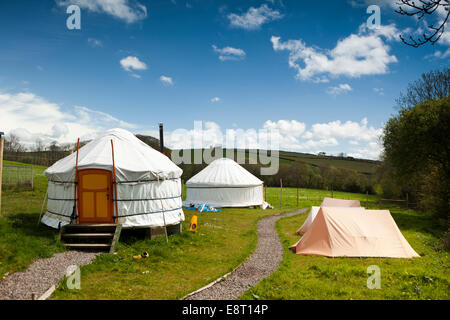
(363, 166)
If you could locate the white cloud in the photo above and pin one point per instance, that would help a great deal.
(389, 32)
(342, 88)
(215, 99)
(30, 117)
(439, 54)
(95, 42)
(254, 17)
(286, 127)
(229, 53)
(349, 129)
(128, 10)
(353, 138)
(357, 55)
(380, 91)
(166, 80)
(131, 64)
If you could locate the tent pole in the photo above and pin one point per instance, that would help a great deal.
(281, 192)
(263, 189)
(42, 208)
(114, 192)
(75, 187)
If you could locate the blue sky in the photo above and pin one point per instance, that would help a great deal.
(226, 63)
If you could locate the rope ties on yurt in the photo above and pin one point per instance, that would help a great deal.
(63, 182)
(153, 199)
(59, 214)
(212, 187)
(140, 214)
(144, 181)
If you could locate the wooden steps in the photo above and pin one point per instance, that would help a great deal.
(91, 236)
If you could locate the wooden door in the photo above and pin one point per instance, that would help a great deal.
(95, 196)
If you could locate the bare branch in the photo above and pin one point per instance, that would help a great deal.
(421, 9)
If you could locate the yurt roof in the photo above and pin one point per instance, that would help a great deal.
(130, 155)
(224, 172)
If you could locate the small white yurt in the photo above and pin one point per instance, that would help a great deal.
(132, 184)
(224, 183)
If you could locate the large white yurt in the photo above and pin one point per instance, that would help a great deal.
(147, 184)
(224, 183)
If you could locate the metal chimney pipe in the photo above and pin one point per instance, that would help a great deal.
(161, 138)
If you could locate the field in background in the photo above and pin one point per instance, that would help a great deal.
(312, 197)
(359, 165)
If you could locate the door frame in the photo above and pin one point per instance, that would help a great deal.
(109, 218)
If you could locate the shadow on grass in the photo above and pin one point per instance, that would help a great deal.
(22, 241)
(408, 220)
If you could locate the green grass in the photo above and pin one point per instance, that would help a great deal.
(315, 277)
(21, 240)
(189, 261)
(359, 165)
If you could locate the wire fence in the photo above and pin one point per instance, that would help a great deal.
(43, 158)
(17, 176)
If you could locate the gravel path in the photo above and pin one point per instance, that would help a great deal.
(261, 264)
(41, 275)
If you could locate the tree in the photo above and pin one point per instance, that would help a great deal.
(421, 9)
(417, 145)
(13, 145)
(432, 85)
(39, 145)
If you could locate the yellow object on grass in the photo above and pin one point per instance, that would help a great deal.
(193, 225)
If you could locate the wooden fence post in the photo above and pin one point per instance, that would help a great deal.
(297, 194)
(407, 201)
(367, 199)
(1, 169)
(281, 192)
(32, 176)
(265, 194)
(332, 195)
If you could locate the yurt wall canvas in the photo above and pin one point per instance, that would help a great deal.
(148, 184)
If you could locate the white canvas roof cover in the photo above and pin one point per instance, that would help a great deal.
(224, 183)
(336, 232)
(144, 175)
(327, 202)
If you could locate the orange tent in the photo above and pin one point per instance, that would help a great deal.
(327, 202)
(363, 233)
(333, 202)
